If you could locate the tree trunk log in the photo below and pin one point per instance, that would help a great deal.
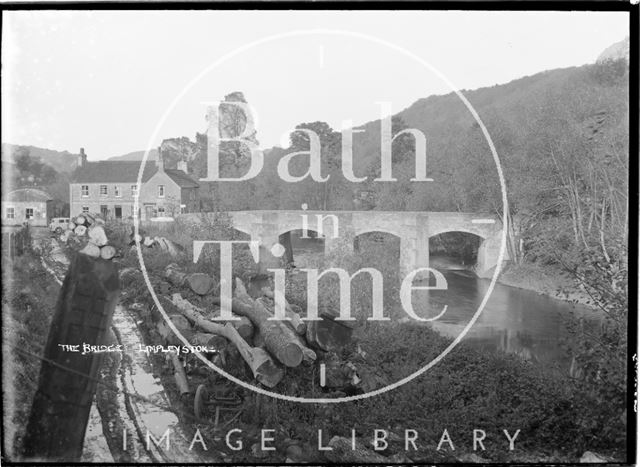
(181, 323)
(211, 341)
(107, 252)
(242, 325)
(173, 274)
(308, 354)
(299, 326)
(80, 230)
(97, 235)
(287, 349)
(200, 283)
(91, 250)
(179, 374)
(264, 369)
(328, 334)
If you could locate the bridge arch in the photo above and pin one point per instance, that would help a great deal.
(413, 228)
(359, 238)
(482, 233)
(298, 248)
(487, 250)
(382, 229)
(454, 249)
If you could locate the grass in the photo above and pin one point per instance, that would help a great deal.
(547, 280)
(558, 417)
(28, 297)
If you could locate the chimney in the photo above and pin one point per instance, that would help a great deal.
(160, 163)
(82, 158)
(182, 165)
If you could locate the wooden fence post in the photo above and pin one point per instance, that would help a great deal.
(60, 409)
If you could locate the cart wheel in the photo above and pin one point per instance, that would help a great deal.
(200, 401)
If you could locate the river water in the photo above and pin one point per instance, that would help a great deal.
(533, 326)
(518, 321)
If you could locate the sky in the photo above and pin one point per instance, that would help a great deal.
(117, 82)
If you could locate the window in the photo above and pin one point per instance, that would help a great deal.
(104, 211)
(134, 190)
(85, 209)
(160, 210)
(103, 190)
(160, 191)
(29, 213)
(11, 213)
(116, 191)
(183, 208)
(85, 190)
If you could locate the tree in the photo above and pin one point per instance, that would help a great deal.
(331, 194)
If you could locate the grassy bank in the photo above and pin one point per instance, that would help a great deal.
(28, 298)
(467, 390)
(559, 418)
(546, 280)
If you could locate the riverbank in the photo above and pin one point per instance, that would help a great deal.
(545, 280)
(559, 418)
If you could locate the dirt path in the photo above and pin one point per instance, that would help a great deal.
(131, 372)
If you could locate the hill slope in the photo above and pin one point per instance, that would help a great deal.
(135, 156)
(61, 161)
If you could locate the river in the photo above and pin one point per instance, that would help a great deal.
(518, 321)
(523, 322)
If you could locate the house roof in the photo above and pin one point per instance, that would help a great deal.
(113, 172)
(27, 194)
(127, 172)
(182, 179)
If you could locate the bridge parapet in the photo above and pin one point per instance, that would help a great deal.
(412, 228)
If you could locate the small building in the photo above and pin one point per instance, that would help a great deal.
(110, 187)
(167, 193)
(27, 205)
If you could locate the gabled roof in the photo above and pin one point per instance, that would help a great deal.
(113, 172)
(182, 179)
(27, 194)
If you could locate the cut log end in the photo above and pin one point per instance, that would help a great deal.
(267, 373)
(91, 250)
(291, 355)
(107, 252)
(98, 235)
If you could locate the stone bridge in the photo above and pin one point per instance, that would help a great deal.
(340, 229)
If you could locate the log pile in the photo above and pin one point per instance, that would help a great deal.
(87, 234)
(266, 345)
(163, 243)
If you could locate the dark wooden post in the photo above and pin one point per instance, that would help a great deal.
(285, 240)
(60, 409)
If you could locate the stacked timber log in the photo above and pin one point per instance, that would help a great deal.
(86, 233)
(267, 345)
(173, 248)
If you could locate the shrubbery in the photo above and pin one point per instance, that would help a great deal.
(559, 417)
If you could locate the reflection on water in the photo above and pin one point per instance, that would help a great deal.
(513, 320)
